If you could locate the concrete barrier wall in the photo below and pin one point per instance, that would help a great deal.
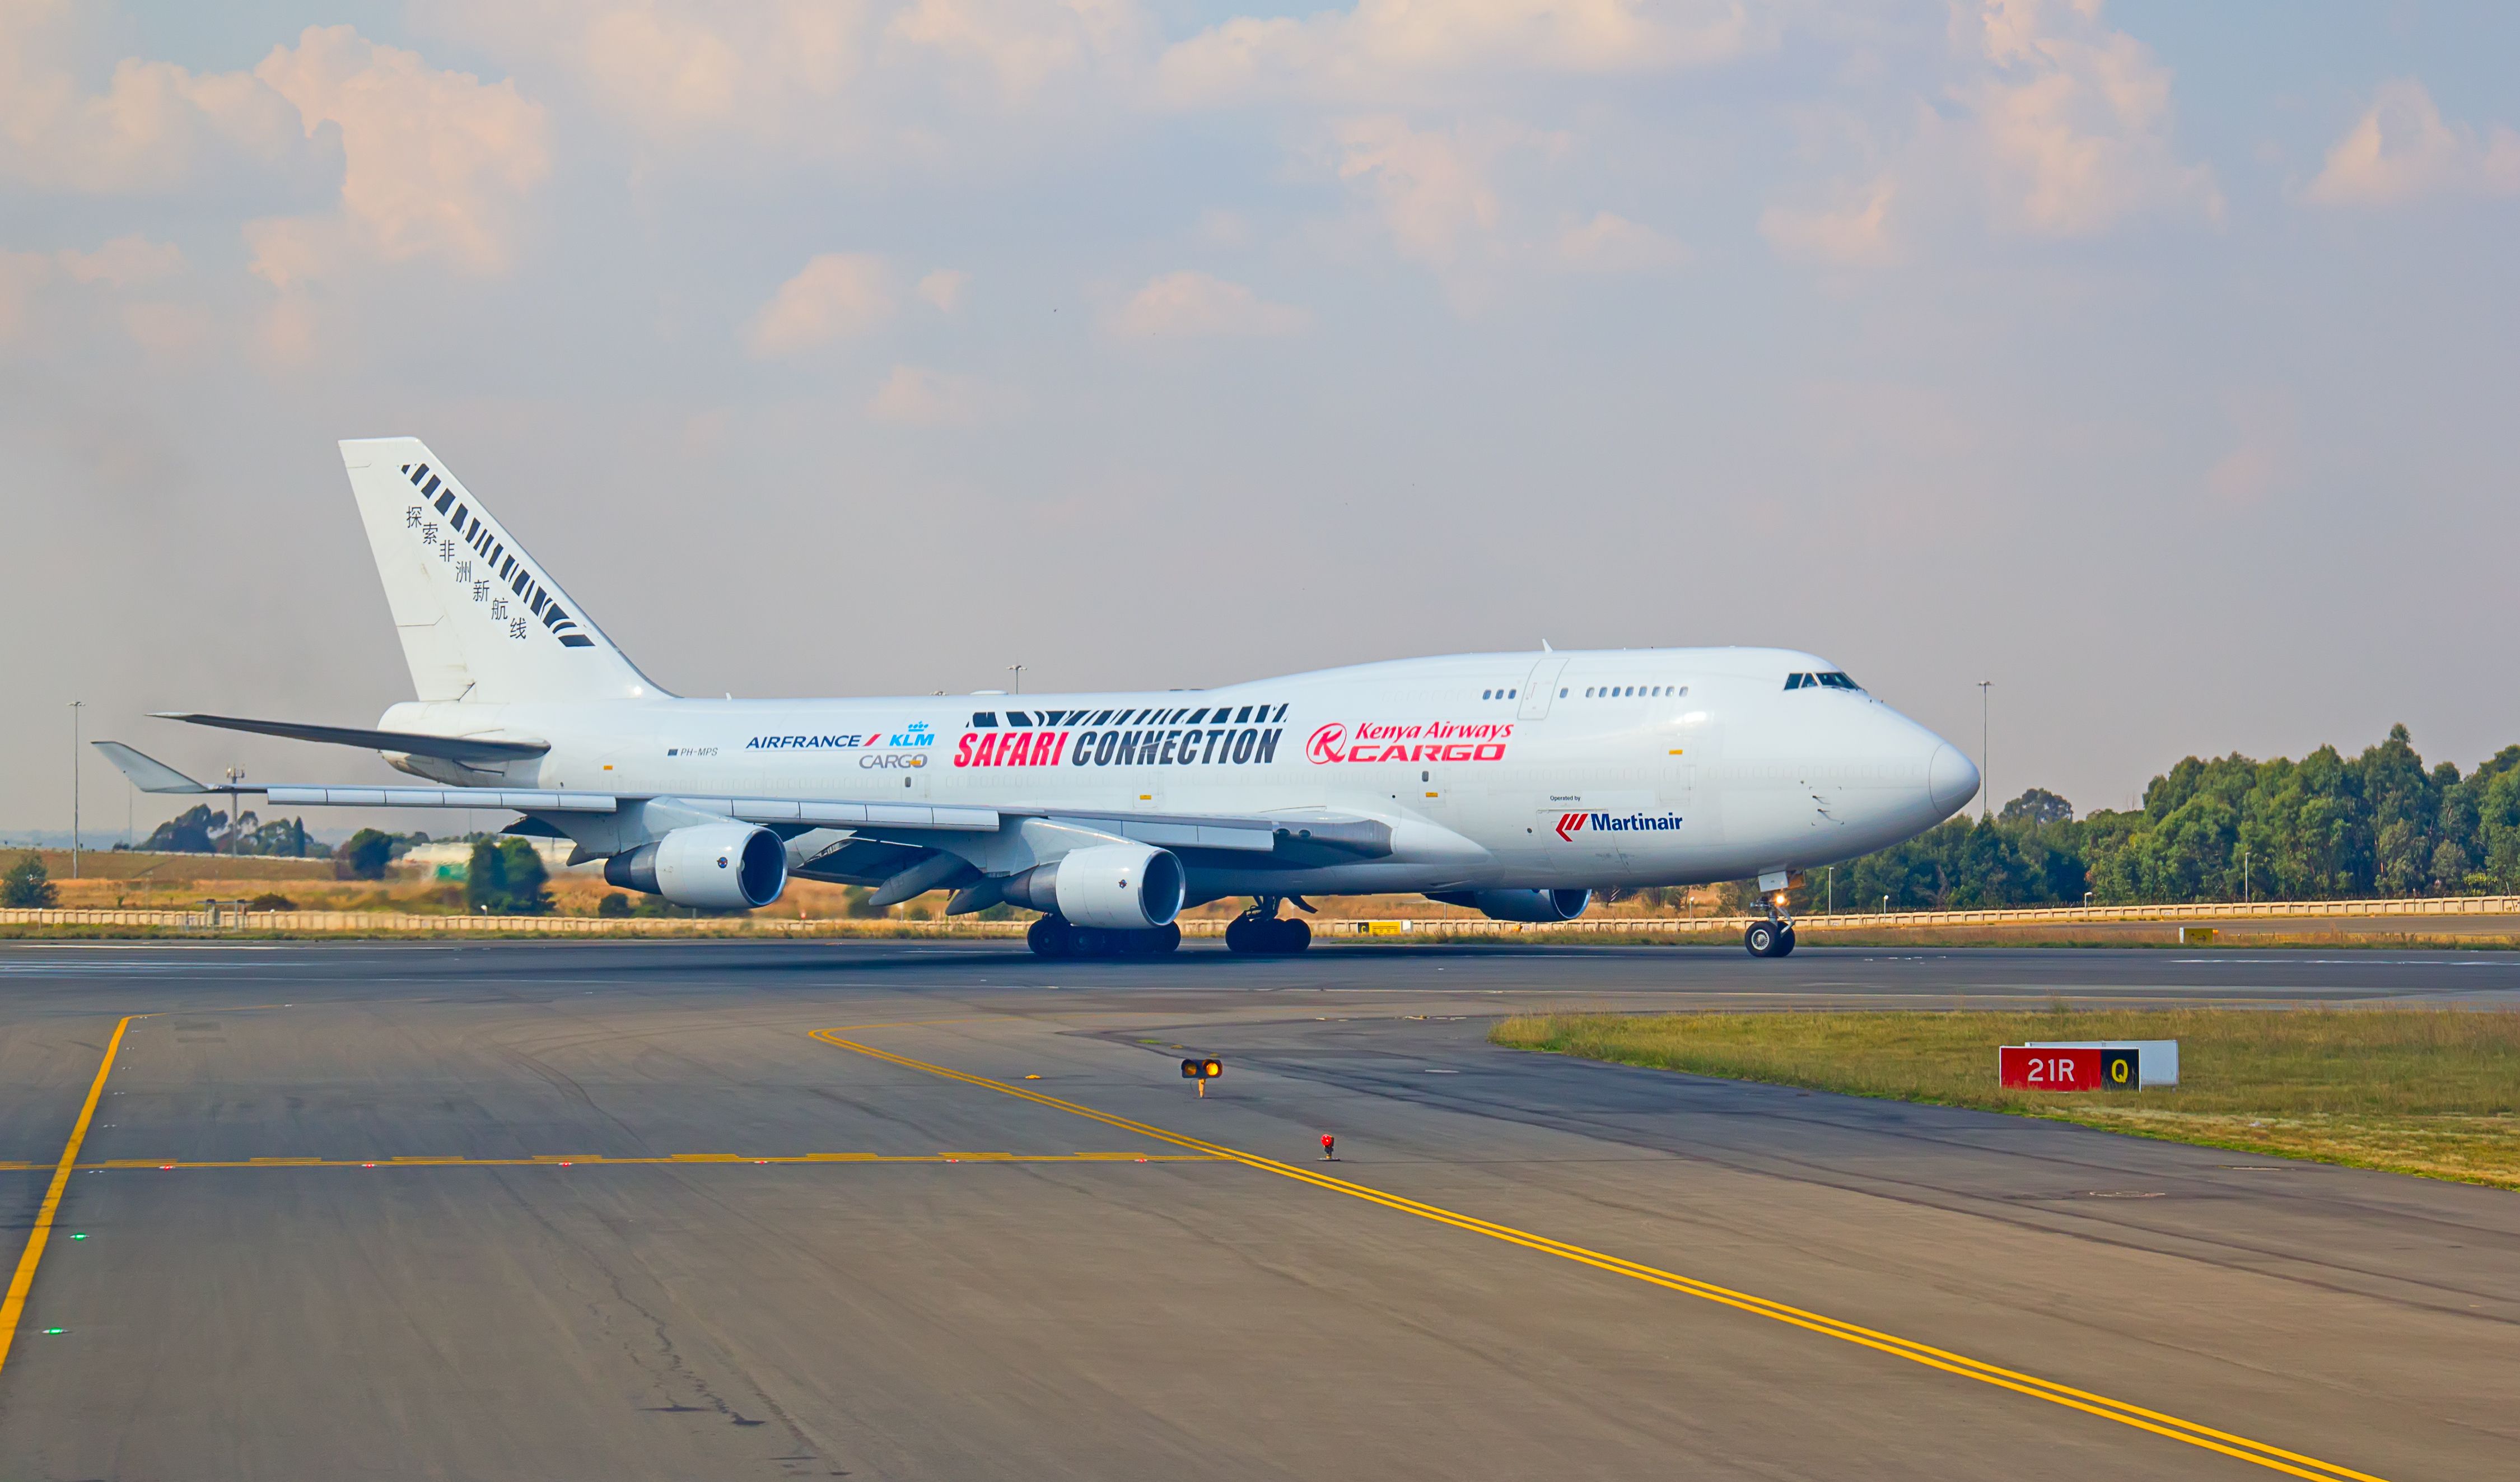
(227, 918)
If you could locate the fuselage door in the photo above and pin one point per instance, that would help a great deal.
(1542, 687)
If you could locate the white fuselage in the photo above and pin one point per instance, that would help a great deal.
(1501, 771)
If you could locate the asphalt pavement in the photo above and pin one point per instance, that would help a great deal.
(543, 1210)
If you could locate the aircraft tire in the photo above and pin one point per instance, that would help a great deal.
(1290, 937)
(1051, 936)
(1785, 943)
(1246, 933)
(1163, 939)
(1760, 939)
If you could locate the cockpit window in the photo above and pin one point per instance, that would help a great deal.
(1833, 680)
(1796, 681)
(1837, 681)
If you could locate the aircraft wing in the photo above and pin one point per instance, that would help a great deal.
(458, 748)
(1307, 830)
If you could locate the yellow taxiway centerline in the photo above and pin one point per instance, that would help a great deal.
(674, 1159)
(14, 1306)
(2258, 1453)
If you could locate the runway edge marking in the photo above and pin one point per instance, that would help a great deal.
(14, 1306)
(2125, 1413)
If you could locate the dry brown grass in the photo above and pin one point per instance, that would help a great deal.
(2431, 1091)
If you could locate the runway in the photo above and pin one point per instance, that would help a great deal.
(925, 1210)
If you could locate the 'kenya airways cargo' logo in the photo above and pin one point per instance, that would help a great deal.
(1410, 742)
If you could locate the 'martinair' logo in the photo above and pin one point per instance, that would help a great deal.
(1571, 823)
(488, 563)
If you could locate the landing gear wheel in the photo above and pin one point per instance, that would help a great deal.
(1761, 939)
(1239, 933)
(1784, 942)
(1155, 943)
(1290, 937)
(1051, 936)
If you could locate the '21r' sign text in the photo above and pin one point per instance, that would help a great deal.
(2025, 1068)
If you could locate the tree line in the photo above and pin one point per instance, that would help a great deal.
(2327, 827)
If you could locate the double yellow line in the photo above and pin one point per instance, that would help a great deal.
(14, 1306)
(2190, 1432)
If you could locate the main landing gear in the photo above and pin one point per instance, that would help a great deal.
(1772, 937)
(1054, 936)
(1258, 931)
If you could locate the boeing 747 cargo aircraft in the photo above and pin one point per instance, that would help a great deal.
(1515, 784)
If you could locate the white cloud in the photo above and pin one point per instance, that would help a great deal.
(154, 128)
(1190, 304)
(1429, 188)
(1612, 243)
(1854, 232)
(123, 262)
(2265, 454)
(1021, 44)
(108, 274)
(2075, 121)
(681, 70)
(437, 163)
(2403, 149)
(1383, 47)
(837, 294)
(917, 397)
(20, 274)
(944, 287)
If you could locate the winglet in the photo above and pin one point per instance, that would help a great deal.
(146, 773)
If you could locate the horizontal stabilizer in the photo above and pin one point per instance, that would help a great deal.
(457, 748)
(146, 773)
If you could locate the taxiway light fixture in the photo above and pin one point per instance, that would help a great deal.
(1201, 1070)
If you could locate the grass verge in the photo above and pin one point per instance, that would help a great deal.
(2421, 1091)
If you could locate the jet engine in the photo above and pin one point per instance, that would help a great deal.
(1118, 888)
(714, 867)
(1523, 905)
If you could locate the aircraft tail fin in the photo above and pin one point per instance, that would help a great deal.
(478, 618)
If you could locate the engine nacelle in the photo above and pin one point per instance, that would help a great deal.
(1524, 905)
(1119, 887)
(713, 866)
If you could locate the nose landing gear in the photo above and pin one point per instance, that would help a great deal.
(1772, 937)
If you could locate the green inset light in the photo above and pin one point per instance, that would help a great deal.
(51, 1330)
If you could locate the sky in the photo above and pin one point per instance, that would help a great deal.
(2154, 361)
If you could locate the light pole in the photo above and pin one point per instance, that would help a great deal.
(1985, 733)
(236, 809)
(75, 706)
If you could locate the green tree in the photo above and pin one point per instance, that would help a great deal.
(187, 833)
(2036, 807)
(284, 839)
(504, 877)
(363, 856)
(29, 885)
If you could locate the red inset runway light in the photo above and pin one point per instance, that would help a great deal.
(1329, 1146)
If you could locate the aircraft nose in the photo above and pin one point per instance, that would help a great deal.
(1951, 778)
